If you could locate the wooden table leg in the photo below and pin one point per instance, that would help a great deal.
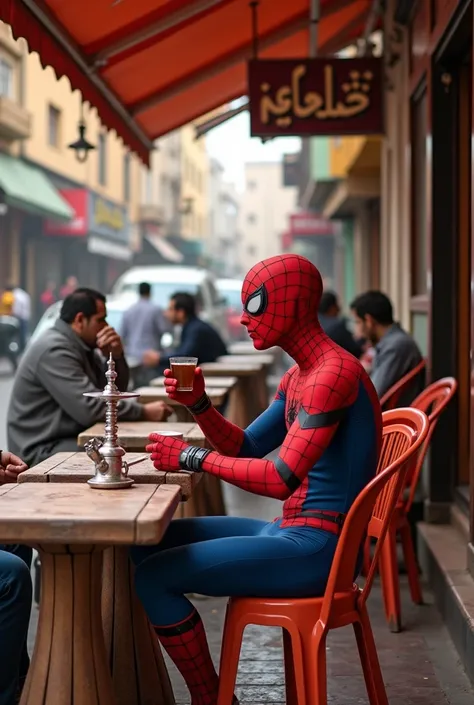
(239, 408)
(182, 414)
(136, 662)
(69, 664)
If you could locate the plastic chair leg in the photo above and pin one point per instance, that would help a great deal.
(411, 564)
(290, 677)
(390, 583)
(370, 660)
(230, 653)
(367, 558)
(315, 667)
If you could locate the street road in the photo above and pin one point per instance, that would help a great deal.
(6, 384)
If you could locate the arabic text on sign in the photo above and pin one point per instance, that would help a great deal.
(289, 103)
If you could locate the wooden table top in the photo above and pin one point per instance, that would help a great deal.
(262, 358)
(217, 395)
(77, 467)
(77, 514)
(210, 382)
(133, 435)
(231, 367)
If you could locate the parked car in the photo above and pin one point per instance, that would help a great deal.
(230, 291)
(166, 280)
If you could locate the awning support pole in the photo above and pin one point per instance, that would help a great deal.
(313, 28)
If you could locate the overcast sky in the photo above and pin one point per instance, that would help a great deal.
(232, 145)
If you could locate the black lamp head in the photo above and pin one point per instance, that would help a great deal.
(81, 146)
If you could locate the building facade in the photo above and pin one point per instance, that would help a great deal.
(85, 221)
(224, 238)
(266, 205)
(174, 201)
(427, 263)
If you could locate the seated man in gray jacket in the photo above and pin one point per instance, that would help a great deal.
(48, 408)
(396, 353)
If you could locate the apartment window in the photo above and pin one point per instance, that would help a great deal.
(54, 119)
(102, 158)
(251, 185)
(251, 218)
(126, 177)
(6, 79)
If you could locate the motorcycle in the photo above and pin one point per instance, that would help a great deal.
(10, 339)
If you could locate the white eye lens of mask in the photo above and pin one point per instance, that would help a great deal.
(254, 304)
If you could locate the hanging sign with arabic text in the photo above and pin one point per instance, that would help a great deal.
(323, 96)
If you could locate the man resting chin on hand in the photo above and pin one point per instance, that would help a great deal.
(15, 600)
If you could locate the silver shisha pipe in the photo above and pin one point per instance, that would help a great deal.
(110, 469)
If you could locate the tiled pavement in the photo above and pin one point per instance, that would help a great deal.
(420, 665)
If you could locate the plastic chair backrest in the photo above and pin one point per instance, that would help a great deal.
(391, 397)
(433, 400)
(373, 508)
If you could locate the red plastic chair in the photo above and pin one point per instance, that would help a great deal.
(392, 396)
(432, 401)
(307, 621)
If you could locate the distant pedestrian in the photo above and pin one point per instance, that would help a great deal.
(143, 326)
(48, 297)
(22, 312)
(69, 287)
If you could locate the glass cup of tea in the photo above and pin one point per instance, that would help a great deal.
(183, 369)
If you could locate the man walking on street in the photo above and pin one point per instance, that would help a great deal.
(142, 328)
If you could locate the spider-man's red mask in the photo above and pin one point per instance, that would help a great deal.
(277, 294)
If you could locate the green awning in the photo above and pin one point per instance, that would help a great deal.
(28, 189)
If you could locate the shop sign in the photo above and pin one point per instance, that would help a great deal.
(307, 224)
(79, 225)
(108, 220)
(323, 96)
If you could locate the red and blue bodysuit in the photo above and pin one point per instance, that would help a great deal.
(326, 420)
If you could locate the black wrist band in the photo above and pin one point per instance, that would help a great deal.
(192, 457)
(202, 405)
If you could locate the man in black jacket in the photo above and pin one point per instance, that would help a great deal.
(198, 338)
(335, 326)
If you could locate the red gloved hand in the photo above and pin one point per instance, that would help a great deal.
(165, 451)
(185, 398)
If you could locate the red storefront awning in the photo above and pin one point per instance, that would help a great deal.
(151, 66)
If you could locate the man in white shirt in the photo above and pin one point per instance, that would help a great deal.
(21, 309)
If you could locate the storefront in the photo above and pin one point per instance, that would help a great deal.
(27, 198)
(94, 247)
(428, 263)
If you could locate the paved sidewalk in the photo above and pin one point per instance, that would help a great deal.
(420, 665)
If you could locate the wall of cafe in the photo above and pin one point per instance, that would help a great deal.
(427, 235)
(395, 246)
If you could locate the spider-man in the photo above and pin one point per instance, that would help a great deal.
(325, 416)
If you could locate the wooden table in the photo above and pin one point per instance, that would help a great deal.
(210, 382)
(246, 347)
(133, 435)
(128, 638)
(71, 526)
(217, 396)
(266, 361)
(244, 405)
(77, 467)
(207, 499)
